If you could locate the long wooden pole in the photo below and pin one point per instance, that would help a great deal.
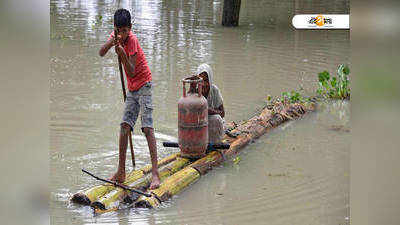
(122, 78)
(124, 94)
(117, 184)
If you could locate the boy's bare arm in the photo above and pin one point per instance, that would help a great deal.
(129, 62)
(104, 49)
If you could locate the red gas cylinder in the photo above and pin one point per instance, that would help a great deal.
(193, 120)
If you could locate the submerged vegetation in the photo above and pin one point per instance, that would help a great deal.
(334, 87)
(236, 160)
(329, 87)
(293, 97)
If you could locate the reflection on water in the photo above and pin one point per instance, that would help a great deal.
(303, 175)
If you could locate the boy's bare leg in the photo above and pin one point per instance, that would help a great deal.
(151, 142)
(119, 176)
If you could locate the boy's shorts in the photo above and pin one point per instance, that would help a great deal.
(139, 101)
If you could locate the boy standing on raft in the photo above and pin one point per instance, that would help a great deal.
(138, 98)
(216, 111)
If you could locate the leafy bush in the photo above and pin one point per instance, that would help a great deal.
(337, 87)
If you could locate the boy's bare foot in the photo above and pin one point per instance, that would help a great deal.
(155, 182)
(119, 177)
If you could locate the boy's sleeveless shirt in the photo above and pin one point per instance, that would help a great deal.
(142, 70)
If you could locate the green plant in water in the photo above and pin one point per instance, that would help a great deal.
(236, 160)
(97, 22)
(292, 97)
(99, 19)
(337, 87)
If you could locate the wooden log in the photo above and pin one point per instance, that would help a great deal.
(118, 195)
(276, 119)
(230, 14)
(171, 186)
(236, 146)
(87, 197)
(259, 125)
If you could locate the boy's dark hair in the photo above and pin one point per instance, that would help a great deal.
(122, 18)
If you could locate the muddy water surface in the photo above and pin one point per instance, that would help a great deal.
(297, 174)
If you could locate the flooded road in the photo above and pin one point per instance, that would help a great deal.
(297, 174)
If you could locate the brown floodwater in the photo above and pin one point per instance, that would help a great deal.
(296, 174)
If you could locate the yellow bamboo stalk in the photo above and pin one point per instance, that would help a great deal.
(165, 172)
(114, 197)
(87, 197)
(171, 186)
(92, 194)
(206, 163)
(164, 161)
(102, 211)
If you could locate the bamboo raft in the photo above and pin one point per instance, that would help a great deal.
(177, 173)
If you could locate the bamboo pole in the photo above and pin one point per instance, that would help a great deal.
(165, 172)
(90, 195)
(206, 163)
(164, 161)
(114, 197)
(87, 197)
(170, 187)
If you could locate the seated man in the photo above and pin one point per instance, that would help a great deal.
(215, 104)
